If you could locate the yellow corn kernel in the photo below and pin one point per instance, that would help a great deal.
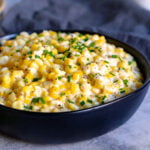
(71, 106)
(98, 85)
(58, 61)
(27, 101)
(77, 75)
(36, 46)
(29, 77)
(54, 89)
(8, 43)
(74, 88)
(68, 61)
(54, 51)
(101, 40)
(6, 80)
(61, 48)
(54, 42)
(52, 76)
(52, 33)
(63, 86)
(138, 84)
(17, 105)
(54, 95)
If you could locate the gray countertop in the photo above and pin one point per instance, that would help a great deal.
(133, 135)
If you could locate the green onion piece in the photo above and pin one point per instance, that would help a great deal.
(30, 57)
(82, 103)
(62, 94)
(106, 61)
(28, 107)
(36, 79)
(91, 50)
(69, 78)
(125, 82)
(70, 66)
(92, 44)
(29, 52)
(60, 39)
(38, 99)
(112, 73)
(18, 50)
(25, 80)
(37, 56)
(86, 39)
(114, 56)
(89, 101)
(103, 98)
(70, 101)
(122, 90)
(59, 78)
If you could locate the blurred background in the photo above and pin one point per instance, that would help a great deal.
(122, 19)
(126, 20)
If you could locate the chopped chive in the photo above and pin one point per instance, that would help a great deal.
(89, 101)
(91, 50)
(18, 50)
(60, 39)
(87, 59)
(70, 101)
(125, 82)
(72, 40)
(76, 55)
(80, 35)
(114, 56)
(106, 61)
(25, 80)
(29, 52)
(103, 98)
(28, 107)
(70, 66)
(69, 78)
(63, 58)
(112, 73)
(62, 94)
(115, 81)
(36, 79)
(86, 39)
(82, 103)
(59, 78)
(122, 90)
(30, 57)
(97, 96)
(9, 46)
(92, 44)
(37, 56)
(38, 99)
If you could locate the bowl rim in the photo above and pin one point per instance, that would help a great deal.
(13, 35)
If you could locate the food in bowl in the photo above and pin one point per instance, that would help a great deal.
(57, 71)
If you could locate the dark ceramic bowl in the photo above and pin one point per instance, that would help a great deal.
(76, 125)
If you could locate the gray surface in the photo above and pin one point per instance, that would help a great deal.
(133, 135)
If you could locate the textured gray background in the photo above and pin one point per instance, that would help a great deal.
(133, 135)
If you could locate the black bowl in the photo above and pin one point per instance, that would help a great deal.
(76, 125)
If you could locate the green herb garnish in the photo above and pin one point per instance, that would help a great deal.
(125, 82)
(36, 79)
(82, 103)
(28, 107)
(70, 101)
(89, 101)
(18, 50)
(37, 56)
(38, 99)
(92, 50)
(106, 61)
(59, 78)
(25, 80)
(114, 56)
(60, 39)
(69, 78)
